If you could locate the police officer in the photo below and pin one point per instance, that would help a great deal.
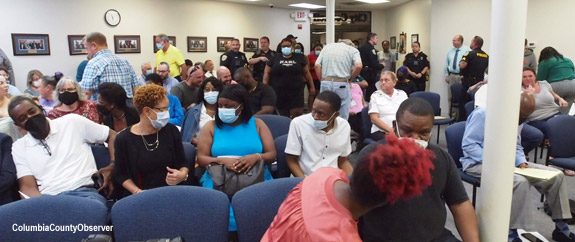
(371, 65)
(260, 58)
(234, 59)
(472, 66)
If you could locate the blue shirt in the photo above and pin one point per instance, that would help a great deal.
(473, 138)
(80, 70)
(108, 67)
(450, 54)
(176, 111)
(169, 83)
(12, 90)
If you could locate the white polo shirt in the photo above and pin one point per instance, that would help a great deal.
(316, 148)
(385, 106)
(71, 164)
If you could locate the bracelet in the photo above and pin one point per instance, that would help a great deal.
(260, 156)
(138, 191)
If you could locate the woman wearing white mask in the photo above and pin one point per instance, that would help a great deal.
(235, 139)
(150, 153)
(33, 82)
(383, 106)
(203, 112)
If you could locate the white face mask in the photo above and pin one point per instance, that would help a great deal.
(211, 97)
(162, 118)
(36, 83)
(421, 143)
(322, 124)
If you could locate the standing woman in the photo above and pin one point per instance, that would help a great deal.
(417, 66)
(33, 82)
(287, 74)
(558, 71)
(312, 57)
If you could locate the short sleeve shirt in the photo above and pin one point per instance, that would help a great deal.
(416, 63)
(287, 73)
(385, 106)
(337, 60)
(263, 95)
(477, 61)
(173, 56)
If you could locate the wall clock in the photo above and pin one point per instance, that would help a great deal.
(112, 17)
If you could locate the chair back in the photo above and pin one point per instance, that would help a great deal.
(282, 168)
(101, 155)
(195, 213)
(432, 98)
(60, 210)
(454, 137)
(278, 125)
(561, 133)
(256, 206)
(456, 93)
(469, 106)
(190, 153)
(366, 122)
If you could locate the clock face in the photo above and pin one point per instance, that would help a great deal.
(112, 17)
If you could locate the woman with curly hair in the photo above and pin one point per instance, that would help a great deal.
(150, 153)
(326, 205)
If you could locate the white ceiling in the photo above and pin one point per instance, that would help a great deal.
(340, 4)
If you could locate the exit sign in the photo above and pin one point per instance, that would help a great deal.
(300, 16)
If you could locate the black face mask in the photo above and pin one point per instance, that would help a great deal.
(103, 110)
(68, 98)
(38, 127)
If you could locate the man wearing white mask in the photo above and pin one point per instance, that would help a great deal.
(326, 135)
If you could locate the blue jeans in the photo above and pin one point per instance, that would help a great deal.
(531, 137)
(343, 90)
(542, 124)
(85, 192)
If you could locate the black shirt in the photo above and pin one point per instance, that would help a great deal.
(416, 63)
(233, 60)
(477, 61)
(368, 55)
(263, 95)
(131, 115)
(407, 86)
(259, 67)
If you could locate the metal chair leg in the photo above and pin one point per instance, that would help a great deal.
(474, 193)
(438, 133)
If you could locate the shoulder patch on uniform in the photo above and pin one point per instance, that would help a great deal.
(466, 53)
(224, 57)
(373, 51)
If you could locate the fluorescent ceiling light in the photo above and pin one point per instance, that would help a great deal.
(373, 1)
(306, 5)
(252, 0)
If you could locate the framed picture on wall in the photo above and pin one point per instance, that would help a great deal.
(414, 38)
(251, 44)
(402, 43)
(31, 44)
(172, 42)
(393, 42)
(223, 43)
(76, 45)
(197, 44)
(126, 44)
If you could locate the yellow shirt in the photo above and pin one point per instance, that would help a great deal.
(173, 57)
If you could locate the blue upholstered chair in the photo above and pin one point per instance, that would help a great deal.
(469, 106)
(280, 168)
(101, 155)
(278, 125)
(190, 153)
(256, 206)
(561, 134)
(455, 97)
(454, 137)
(60, 210)
(195, 213)
(434, 99)
(366, 123)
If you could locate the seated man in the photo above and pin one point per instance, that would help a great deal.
(224, 75)
(319, 139)
(262, 96)
(55, 157)
(553, 188)
(168, 82)
(422, 218)
(187, 91)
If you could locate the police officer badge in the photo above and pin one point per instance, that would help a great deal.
(373, 51)
(224, 57)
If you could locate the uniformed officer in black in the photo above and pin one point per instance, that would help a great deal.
(371, 66)
(234, 59)
(260, 58)
(473, 65)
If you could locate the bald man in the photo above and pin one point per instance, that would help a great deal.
(224, 75)
(452, 72)
(554, 188)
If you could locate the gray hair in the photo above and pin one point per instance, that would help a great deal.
(145, 63)
(346, 41)
(63, 82)
(164, 37)
(164, 63)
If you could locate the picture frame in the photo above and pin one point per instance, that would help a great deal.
(402, 43)
(251, 44)
(222, 42)
(127, 44)
(30, 44)
(393, 42)
(197, 44)
(172, 42)
(414, 38)
(76, 44)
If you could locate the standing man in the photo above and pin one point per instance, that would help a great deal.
(105, 66)
(473, 65)
(386, 58)
(168, 82)
(338, 64)
(454, 55)
(371, 65)
(260, 58)
(529, 59)
(234, 59)
(171, 55)
(146, 70)
(210, 72)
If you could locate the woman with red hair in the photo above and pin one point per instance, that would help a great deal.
(326, 205)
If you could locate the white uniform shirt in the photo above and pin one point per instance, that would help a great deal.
(71, 164)
(316, 148)
(385, 106)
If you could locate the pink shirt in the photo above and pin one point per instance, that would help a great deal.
(311, 212)
(356, 98)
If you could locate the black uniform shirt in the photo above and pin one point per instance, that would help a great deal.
(261, 65)
(368, 55)
(477, 61)
(233, 60)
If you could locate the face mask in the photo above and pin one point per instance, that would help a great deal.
(37, 126)
(211, 97)
(162, 118)
(322, 124)
(148, 72)
(297, 51)
(36, 83)
(422, 143)
(286, 50)
(228, 115)
(159, 46)
(68, 98)
(103, 110)
(317, 52)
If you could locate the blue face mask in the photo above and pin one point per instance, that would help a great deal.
(159, 46)
(162, 118)
(211, 97)
(322, 124)
(297, 51)
(228, 115)
(286, 50)
(317, 52)
(148, 72)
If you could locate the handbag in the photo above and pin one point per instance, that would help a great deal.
(230, 182)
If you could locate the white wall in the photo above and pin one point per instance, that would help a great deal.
(60, 18)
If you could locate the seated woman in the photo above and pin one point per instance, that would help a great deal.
(234, 132)
(4, 97)
(176, 110)
(203, 112)
(559, 72)
(71, 99)
(46, 90)
(326, 205)
(150, 153)
(383, 106)
(112, 105)
(33, 82)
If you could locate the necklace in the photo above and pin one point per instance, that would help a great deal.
(121, 117)
(152, 146)
(253, 89)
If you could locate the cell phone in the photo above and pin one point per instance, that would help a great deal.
(531, 237)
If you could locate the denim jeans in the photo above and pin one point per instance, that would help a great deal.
(343, 90)
(85, 192)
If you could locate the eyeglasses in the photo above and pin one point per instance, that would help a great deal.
(161, 71)
(71, 89)
(2, 83)
(161, 109)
